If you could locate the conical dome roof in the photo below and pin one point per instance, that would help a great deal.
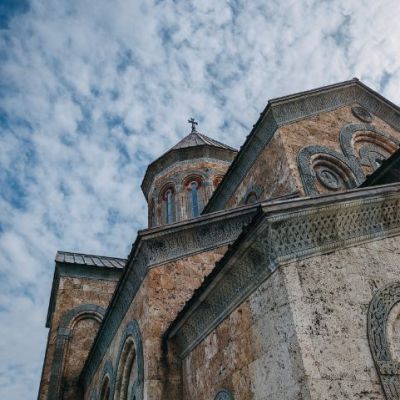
(193, 146)
(198, 139)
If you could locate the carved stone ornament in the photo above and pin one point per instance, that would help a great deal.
(329, 178)
(318, 164)
(373, 144)
(362, 114)
(224, 394)
(373, 155)
(378, 313)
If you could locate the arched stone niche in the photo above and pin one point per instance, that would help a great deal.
(324, 170)
(384, 337)
(224, 394)
(252, 195)
(70, 339)
(367, 145)
(130, 365)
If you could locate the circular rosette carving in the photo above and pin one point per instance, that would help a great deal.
(324, 170)
(329, 177)
(362, 114)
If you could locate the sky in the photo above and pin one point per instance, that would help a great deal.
(92, 91)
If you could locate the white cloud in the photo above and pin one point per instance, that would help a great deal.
(92, 92)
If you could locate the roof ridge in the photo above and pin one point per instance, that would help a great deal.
(88, 255)
(196, 138)
(214, 142)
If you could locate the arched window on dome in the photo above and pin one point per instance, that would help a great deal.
(168, 206)
(194, 197)
(195, 201)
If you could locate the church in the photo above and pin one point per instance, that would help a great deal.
(269, 272)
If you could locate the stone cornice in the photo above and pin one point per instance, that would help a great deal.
(78, 271)
(279, 234)
(288, 109)
(155, 247)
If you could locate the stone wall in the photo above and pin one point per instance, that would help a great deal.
(276, 171)
(301, 334)
(270, 176)
(161, 296)
(73, 292)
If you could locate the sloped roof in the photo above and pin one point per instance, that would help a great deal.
(89, 259)
(194, 145)
(198, 139)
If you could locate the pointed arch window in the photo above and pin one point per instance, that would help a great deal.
(168, 206)
(194, 197)
(195, 201)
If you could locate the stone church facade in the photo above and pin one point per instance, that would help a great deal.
(271, 272)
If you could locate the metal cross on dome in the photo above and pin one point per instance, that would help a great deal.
(194, 123)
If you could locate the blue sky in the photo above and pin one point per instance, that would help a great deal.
(92, 92)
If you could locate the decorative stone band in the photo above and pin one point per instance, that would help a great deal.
(378, 313)
(281, 234)
(155, 247)
(388, 368)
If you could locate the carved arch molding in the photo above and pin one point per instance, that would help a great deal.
(388, 368)
(109, 374)
(363, 147)
(63, 336)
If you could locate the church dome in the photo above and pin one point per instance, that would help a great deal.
(198, 139)
(178, 184)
